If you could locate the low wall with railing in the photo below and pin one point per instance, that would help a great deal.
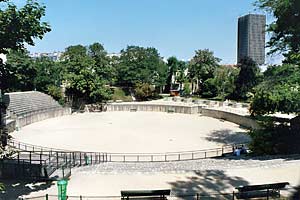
(31, 117)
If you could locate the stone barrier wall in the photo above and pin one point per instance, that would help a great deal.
(242, 120)
(32, 117)
(152, 107)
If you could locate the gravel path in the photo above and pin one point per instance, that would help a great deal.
(186, 166)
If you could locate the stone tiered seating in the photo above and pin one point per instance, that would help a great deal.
(22, 103)
(32, 106)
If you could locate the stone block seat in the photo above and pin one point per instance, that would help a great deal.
(32, 106)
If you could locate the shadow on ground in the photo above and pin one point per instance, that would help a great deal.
(209, 183)
(227, 136)
(15, 188)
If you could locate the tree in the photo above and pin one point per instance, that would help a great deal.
(180, 74)
(202, 67)
(224, 81)
(285, 29)
(20, 26)
(103, 64)
(17, 27)
(279, 92)
(140, 65)
(81, 78)
(21, 72)
(49, 73)
(248, 78)
(172, 64)
(176, 72)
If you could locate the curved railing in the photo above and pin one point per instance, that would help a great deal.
(99, 157)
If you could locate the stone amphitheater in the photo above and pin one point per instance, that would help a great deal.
(174, 157)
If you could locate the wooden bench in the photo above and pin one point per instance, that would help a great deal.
(145, 194)
(260, 191)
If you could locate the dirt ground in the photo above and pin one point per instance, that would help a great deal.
(132, 132)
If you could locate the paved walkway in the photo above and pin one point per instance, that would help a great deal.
(227, 163)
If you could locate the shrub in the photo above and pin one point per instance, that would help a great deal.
(275, 139)
(119, 94)
(144, 91)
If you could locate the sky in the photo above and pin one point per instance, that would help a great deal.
(174, 27)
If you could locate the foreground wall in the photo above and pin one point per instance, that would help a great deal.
(242, 120)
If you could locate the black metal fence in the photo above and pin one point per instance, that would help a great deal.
(87, 158)
(195, 196)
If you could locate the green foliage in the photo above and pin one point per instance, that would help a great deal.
(141, 65)
(209, 88)
(202, 67)
(81, 78)
(20, 26)
(103, 64)
(144, 91)
(56, 93)
(20, 72)
(279, 92)
(248, 78)
(186, 89)
(285, 29)
(274, 139)
(49, 73)
(176, 70)
(119, 94)
(224, 81)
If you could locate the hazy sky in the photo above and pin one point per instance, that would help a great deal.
(174, 27)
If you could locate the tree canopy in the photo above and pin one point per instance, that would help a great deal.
(285, 29)
(279, 92)
(20, 26)
(141, 65)
(247, 78)
(202, 66)
(81, 79)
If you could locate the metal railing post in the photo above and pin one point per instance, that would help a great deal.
(57, 160)
(80, 158)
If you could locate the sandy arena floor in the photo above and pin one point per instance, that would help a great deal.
(142, 132)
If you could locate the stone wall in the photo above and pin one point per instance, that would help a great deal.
(40, 115)
(242, 120)
(152, 107)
